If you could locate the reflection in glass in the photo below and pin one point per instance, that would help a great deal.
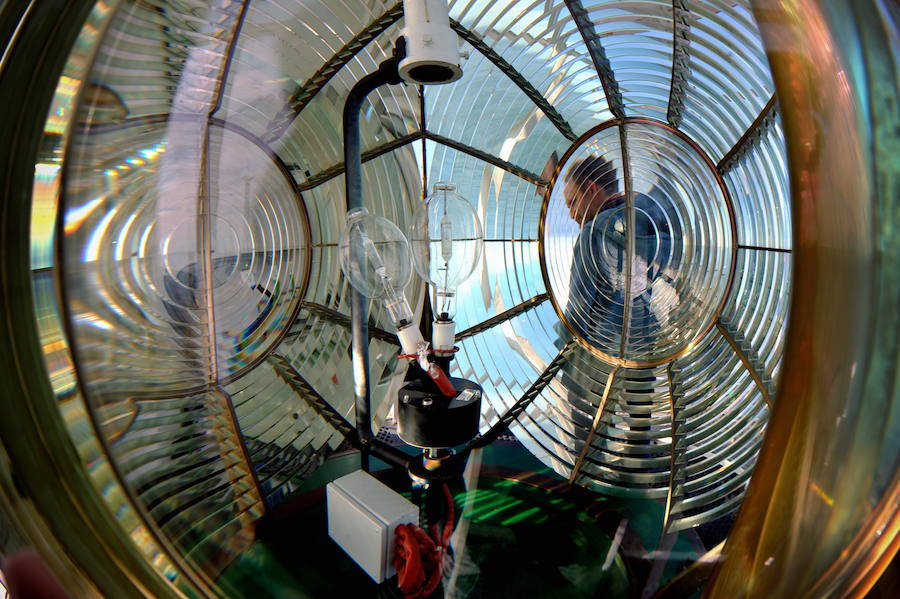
(199, 259)
(637, 277)
(212, 279)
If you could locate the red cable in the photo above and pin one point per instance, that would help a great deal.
(430, 351)
(419, 558)
(441, 379)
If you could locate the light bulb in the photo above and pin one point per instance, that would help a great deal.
(447, 240)
(375, 258)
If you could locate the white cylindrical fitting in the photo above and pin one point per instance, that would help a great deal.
(443, 335)
(432, 47)
(410, 339)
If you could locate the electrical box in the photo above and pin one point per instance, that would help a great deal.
(363, 515)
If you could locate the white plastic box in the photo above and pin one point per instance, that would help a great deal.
(363, 515)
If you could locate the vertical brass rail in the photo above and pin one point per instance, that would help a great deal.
(204, 207)
(629, 240)
(822, 488)
(601, 408)
(676, 462)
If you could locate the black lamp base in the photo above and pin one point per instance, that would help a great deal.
(433, 421)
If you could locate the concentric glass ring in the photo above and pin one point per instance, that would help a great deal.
(212, 285)
(637, 243)
(162, 91)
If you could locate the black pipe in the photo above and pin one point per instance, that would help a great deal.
(387, 73)
(389, 454)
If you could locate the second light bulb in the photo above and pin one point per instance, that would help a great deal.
(446, 243)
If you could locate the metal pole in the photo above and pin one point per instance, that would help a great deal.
(359, 308)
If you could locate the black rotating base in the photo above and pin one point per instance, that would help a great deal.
(430, 420)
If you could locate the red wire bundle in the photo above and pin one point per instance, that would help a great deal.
(419, 558)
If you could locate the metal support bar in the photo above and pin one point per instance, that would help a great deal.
(205, 209)
(295, 380)
(313, 399)
(750, 137)
(764, 249)
(423, 127)
(234, 428)
(678, 459)
(304, 95)
(601, 407)
(489, 158)
(681, 61)
(529, 396)
(516, 77)
(629, 239)
(338, 169)
(229, 57)
(745, 360)
(598, 57)
(504, 316)
(343, 320)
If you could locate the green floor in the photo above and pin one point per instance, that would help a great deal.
(527, 534)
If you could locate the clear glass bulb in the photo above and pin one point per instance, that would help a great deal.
(446, 241)
(375, 258)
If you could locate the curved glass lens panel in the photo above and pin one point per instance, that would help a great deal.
(207, 266)
(204, 306)
(627, 321)
(637, 275)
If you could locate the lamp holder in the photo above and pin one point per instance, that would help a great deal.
(443, 335)
(432, 47)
